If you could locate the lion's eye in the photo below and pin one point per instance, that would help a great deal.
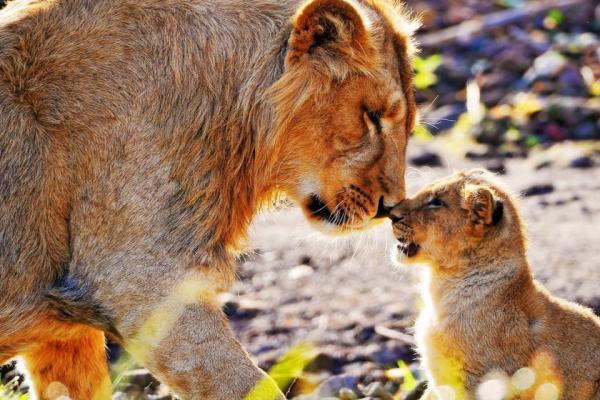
(375, 118)
(435, 202)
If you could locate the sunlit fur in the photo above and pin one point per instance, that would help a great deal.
(484, 313)
(138, 139)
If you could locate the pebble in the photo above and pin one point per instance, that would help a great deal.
(582, 162)
(549, 64)
(555, 132)
(496, 166)
(300, 272)
(332, 386)
(347, 394)
(377, 390)
(538, 190)
(389, 354)
(427, 159)
(365, 334)
(586, 131)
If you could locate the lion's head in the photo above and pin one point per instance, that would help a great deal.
(345, 108)
(456, 219)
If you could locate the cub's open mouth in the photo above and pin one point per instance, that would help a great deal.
(320, 210)
(409, 249)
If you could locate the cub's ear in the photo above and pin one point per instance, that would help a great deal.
(482, 209)
(329, 29)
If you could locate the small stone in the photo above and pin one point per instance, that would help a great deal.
(538, 190)
(549, 64)
(427, 159)
(395, 375)
(555, 132)
(332, 386)
(513, 59)
(543, 164)
(582, 162)
(365, 334)
(377, 390)
(389, 354)
(586, 131)
(347, 394)
(497, 167)
(300, 272)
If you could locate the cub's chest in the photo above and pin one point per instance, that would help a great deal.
(442, 358)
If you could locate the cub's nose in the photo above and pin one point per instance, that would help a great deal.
(396, 214)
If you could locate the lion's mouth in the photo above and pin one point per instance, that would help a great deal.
(320, 210)
(408, 248)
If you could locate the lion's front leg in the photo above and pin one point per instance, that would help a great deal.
(184, 339)
(192, 349)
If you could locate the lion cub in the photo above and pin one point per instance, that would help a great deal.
(488, 329)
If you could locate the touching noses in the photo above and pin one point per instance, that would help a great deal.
(387, 202)
(397, 213)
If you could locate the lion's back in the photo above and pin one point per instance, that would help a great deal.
(56, 89)
(80, 78)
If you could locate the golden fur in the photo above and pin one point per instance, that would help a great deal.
(487, 326)
(138, 139)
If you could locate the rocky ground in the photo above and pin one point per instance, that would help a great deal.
(501, 85)
(529, 74)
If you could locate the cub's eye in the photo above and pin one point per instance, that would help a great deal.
(375, 118)
(435, 202)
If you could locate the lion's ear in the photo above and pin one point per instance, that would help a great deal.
(326, 29)
(482, 209)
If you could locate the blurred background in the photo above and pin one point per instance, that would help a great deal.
(509, 85)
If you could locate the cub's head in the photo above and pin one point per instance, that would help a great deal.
(456, 220)
(345, 108)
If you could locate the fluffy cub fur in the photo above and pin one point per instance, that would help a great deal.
(488, 329)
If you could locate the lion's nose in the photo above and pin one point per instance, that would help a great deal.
(382, 210)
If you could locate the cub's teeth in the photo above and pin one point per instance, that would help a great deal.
(408, 248)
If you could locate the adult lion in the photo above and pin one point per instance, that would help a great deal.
(137, 140)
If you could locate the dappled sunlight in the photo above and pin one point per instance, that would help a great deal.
(493, 387)
(281, 375)
(195, 288)
(523, 379)
(57, 391)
